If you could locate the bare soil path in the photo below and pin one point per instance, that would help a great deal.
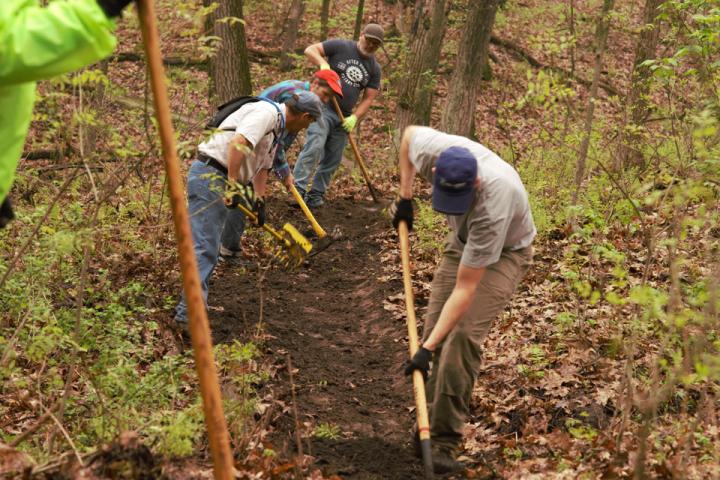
(347, 350)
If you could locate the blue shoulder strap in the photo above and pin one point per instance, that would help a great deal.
(279, 134)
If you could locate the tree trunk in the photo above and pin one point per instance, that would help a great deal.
(423, 53)
(472, 58)
(229, 68)
(601, 35)
(637, 97)
(358, 19)
(571, 30)
(291, 31)
(324, 15)
(403, 16)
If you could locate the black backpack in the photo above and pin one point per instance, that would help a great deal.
(228, 108)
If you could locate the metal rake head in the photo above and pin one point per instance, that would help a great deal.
(291, 247)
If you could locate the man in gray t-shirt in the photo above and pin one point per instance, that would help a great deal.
(325, 141)
(488, 251)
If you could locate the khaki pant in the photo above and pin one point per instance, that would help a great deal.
(457, 359)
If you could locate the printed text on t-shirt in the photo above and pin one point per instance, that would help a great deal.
(354, 73)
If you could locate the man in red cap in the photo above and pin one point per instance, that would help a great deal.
(324, 84)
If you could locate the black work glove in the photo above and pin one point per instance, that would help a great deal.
(237, 194)
(112, 8)
(259, 211)
(234, 201)
(420, 361)
(6, 212)
(402, 209)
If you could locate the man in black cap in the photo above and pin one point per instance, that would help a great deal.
(325, 141)
(488, 252)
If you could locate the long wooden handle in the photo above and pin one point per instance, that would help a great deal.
(319, 231)
(356, 151)
(418, 380)
(199, 328)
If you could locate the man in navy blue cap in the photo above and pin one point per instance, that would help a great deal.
(488, 252)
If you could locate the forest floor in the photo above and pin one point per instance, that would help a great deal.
(340, 320)
(346, 354)
(550, 397)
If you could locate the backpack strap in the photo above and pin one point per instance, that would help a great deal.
(279, 133)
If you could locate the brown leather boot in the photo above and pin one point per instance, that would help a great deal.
(444, 462)
(443, 458)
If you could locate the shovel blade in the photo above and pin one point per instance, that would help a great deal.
(324, 242)
(321, 244)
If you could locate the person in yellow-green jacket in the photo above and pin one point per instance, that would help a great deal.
(38, 43)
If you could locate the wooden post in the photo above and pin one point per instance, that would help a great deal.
(199, 328)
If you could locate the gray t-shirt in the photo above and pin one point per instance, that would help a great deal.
(356, 72)
(499, 217)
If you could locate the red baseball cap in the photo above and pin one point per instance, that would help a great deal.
(331, 78)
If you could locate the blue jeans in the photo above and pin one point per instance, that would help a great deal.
(320, 157)
(232, 230)
(205, 189)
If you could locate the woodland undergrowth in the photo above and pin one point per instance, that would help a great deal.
(606, 363)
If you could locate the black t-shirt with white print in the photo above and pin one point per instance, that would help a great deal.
(356, 72)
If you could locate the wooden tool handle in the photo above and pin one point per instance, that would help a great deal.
(199, 328)
(356, 151)
(319, 231)
(418, 380)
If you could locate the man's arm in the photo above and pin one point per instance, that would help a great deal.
(401, 210)
(260, 182)
(238, 151)
(407, 169)
(40, 42)
(369, 95)
(316, 54)
(456, 305)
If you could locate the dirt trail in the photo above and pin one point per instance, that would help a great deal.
(348, 352)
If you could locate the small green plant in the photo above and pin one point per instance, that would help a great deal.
(537, 362)
(564, 320)
(327, 430)
(269, 453)
(431, 229)
(580, 430)
(512, 454)
(178, 432)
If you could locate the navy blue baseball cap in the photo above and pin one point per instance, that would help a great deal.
(454, 183)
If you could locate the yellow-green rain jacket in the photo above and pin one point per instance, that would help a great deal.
(38, 43)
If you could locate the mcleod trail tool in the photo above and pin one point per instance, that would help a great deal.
(292, 248)
(324, 240)
(218, 437)
(417, 376)
(355, 150)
